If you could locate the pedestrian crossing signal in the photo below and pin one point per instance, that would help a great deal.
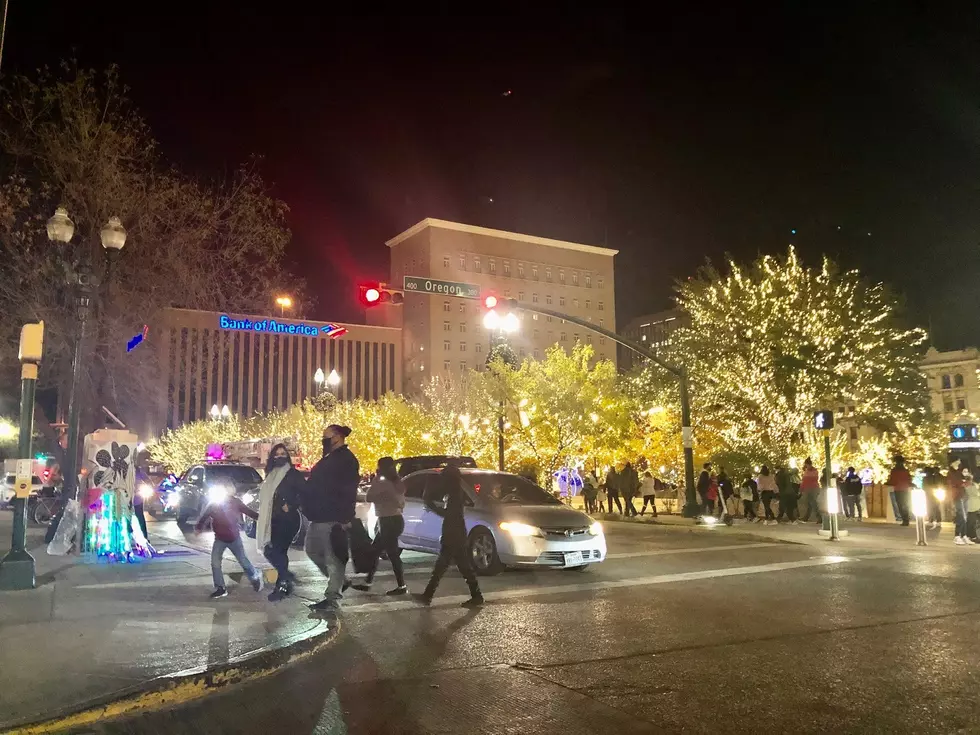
(823, 420)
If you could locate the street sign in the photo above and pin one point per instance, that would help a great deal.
(420, 284)
(823, 420)
(22, 478)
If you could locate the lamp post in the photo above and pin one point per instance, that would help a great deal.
(17, 567)
(284, 302)
(215, 412)
(83, 282)
(225, 413)
(499, 327)
(318, 378)
(333, 380)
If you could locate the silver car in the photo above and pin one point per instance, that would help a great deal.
(510, 522)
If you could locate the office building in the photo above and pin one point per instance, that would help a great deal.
(443, 333)
(651, 331)
(952, 380)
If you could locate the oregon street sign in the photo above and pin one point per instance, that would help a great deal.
(419, 284)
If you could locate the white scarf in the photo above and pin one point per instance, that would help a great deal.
(267, 491)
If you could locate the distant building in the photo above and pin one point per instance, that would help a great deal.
(952, 380)
(444, 333)
(651, 331)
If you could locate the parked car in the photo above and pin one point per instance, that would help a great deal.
(205, 482)
(510, 521)
(408, 465)
(8, 492)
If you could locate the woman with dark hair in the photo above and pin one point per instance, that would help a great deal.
(387, 492)
(278, 522)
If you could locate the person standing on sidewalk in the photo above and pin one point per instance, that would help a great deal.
(750, 496)
(613, 481)
(648, 489)
(901, 483)
(387, 492)
(225, 515)
(629, 485)
(727, 491)
(454, 546)
(767, 491)
(955, 484)
(810, 487)
(852, 489)
(279, 521)
(328, 502)
(704, 485)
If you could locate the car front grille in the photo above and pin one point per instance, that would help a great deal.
(565, 532)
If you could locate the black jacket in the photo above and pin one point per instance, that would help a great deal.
(331, 492)
(704, 482)
(453, 523)
(285, 524)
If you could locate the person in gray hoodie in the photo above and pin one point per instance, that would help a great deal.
(387, 492)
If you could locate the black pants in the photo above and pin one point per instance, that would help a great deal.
(276, 551)
(787, 505)
(812, 506)
(748, 508)
(614, 498)
(935, 510)
(903, 497)
(391, 528)
(138, 510)
(709, 506)
(453, 552)
(629, 507)
(653, 505)
(767, 504)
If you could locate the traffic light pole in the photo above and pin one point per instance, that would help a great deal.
(691, 506)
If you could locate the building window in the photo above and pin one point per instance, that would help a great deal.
(446, 327)
(547, 274)
(520, 295)
(574, 278)
(534, 317)
(462, 308)
(462, 366)
(506, 267)
(947, 383)
(960, 404)
(575, 337)
(493, 265)
(445, 306)
(523, 352)
(564, 337)
(536, 334)
(445, 345)
(534, 298)
(445, 365)
(588, 280)
(602, 340)
(575, 303)
(549, 318)
(476, 264)
(561, 301)
(520, 270)
(462, 347)
(588, 303)
(601, 322)
(601, 306)
(958, 380)
(561, 277)
(537, 354)
(462, 262)
(478, 348)
(462, 327)
(551, 338)
(534, 272)
(547, 298)
(948, 406)
(854, 432)
(599, 283)
(445, 261)
(507, 293)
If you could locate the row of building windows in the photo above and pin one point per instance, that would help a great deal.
(447, 344)
(948, 405)
(477, 267)
(600, 305)
(448, 327)
(948, 382)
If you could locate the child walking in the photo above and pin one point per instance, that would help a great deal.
(225, 517)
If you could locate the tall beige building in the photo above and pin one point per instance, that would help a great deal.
(953, 383)
(443, 333)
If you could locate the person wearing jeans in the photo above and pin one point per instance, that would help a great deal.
(810, 487)
(225, 516)
(901, 481)
(851, 491)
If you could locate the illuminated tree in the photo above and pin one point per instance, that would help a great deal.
(771, 342)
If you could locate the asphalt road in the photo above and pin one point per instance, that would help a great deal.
(679, 631)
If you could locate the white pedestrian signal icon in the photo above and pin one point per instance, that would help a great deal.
(823, 420)
(819, 421)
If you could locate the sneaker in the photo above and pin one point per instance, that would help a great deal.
(796, 522)
(281, 592)
(323, 606)
(473, 602)
(361, 587)
(218, 593)
(257, 583)
(968, 540)
(403, 590)
(958, 541)
(422, 598)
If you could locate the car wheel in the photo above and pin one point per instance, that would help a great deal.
(483, 553)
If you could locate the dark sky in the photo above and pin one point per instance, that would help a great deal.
(672, 136)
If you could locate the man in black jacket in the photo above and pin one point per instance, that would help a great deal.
(329, 498)
(704, 483)
(454, 546)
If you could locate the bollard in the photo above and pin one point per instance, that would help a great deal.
(920, 511)
(833, 509)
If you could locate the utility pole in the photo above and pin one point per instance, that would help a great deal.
(691, 506)
(17, 567)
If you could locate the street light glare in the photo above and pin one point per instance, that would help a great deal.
(491, 320)
(511, 323)
(318, 376)
(7, 430)
(215, 411)
(490, 302)
(333, 379)
(284, 301)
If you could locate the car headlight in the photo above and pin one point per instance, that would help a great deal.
(515, 528)
(595, 529)
(145, 491)
(218, 493)
(248, 498)
(940, 494)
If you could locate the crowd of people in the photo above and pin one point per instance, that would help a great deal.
(620, 490)
(328, 499)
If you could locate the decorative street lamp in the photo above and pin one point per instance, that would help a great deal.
(225, 412)
(215, 412)
(333, 380)
(284, 302)
(83, 282)
(318, 378)
(502, 326)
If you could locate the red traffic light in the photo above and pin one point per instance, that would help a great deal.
(490, 301)
(372, 295)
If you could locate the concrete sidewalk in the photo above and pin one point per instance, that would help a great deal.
(92, 631)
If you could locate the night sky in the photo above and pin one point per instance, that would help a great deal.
(674, 137)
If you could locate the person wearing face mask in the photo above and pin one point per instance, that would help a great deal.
(328, 501)
(278, 522)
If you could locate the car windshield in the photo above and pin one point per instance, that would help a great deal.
(236, 474)
(509, 489)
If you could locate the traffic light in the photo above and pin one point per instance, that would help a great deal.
(372, 294)
(499, 315)
(490, 301)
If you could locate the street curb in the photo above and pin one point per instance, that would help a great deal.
(702, 528)
(187, 686)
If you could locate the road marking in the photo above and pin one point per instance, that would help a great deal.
(696, 550)
(604, 585)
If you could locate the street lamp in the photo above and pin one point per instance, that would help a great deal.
(502, 325)
(333, 380)
(215, 412)
(318, 378)
(83, 282)
(284, 302)
(225, 412)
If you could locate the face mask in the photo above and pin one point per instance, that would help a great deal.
(280, 461)
(327, 445)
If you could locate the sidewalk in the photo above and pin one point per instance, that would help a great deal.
(92, 632)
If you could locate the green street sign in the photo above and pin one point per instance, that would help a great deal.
(418, 284)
